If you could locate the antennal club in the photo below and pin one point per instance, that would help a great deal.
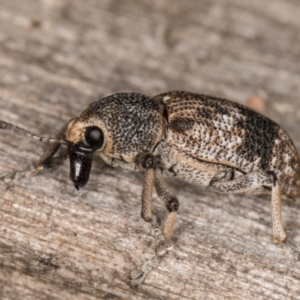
(8, 126)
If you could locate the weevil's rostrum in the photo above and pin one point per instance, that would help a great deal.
(201, 139)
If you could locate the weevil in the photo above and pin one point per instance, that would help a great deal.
(201, 139)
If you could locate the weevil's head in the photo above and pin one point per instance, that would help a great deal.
(84, 137)
(122, 126)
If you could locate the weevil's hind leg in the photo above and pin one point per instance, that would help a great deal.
(279, 234)
(251, 183)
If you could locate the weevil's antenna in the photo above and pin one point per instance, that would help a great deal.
(7, 126)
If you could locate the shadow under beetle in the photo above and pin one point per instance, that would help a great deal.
(201, 139)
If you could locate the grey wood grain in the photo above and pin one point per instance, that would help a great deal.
(57, 56)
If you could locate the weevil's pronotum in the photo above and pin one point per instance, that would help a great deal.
(201, 139)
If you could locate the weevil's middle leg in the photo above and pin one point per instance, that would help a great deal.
(172, 206)
(251, 183)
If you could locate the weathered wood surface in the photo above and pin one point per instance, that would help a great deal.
(58, 56)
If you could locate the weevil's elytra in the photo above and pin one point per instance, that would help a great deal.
(201, 139)
(182, 124)
(231, 135)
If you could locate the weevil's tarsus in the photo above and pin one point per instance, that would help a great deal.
(9, 178)
(159, 240)
(139, 275)
(291, 250)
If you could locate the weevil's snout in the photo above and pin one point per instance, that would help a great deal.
(80, 164)
(81, 155)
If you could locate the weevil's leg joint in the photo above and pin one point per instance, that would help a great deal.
(172, 204)
(149, 162)
(274, 177)
(48, 163)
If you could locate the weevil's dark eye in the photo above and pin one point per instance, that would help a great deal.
(94, 137)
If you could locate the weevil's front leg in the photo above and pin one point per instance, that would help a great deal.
(47, 159)
(153, 176)
(45, 162)
(149, 164)
(256, 181)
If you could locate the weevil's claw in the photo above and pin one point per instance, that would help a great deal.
(138, 275)
(291, 250)
(162, 246)
(9, 178)
(160, 242)
(161, 249)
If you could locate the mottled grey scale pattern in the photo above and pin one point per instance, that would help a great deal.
(132, 119)
(286, 164)
(260, 135)
(186, 172)
(181, 124)
(230, 134)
